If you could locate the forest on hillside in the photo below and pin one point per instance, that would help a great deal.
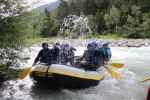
(128, 18)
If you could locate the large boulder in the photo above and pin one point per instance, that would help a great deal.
(74, 26)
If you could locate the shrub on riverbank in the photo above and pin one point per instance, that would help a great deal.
(16, 28)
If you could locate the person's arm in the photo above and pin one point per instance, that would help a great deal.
(110, 52)
(37, 58)
(103, 53)
(103, 56)
(84, 55)
(74, 49)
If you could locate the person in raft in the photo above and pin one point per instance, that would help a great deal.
(106, 53)
(67, 54)
(44, 56)
(55, 53)
(91, 57)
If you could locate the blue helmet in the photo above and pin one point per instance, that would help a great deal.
(106, 44)
(94, 43)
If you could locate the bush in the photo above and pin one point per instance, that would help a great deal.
(11, 32)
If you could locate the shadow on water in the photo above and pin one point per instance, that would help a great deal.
(45, 92)
(50, 88)
(38, 89)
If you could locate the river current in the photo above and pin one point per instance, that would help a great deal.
(136, 67)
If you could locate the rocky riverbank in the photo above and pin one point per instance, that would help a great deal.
(113, 43)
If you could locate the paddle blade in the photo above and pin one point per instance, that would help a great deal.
(117, 65)
(24, 72)
(114, 74)
(145, 79)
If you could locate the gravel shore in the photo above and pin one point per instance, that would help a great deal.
(113, 43)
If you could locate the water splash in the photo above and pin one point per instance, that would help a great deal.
(17, 90)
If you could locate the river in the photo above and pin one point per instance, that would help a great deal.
(136, 67)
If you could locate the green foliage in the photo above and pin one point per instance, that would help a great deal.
(36, 23)
(97, 22)
(127, 17)
(54, 23)
(112, 19)
(11, 33)
(15, 31)
(63, 10)
(47, 23)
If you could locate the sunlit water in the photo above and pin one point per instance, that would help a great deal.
(137, 67)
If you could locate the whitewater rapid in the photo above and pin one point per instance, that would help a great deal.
(137, 66)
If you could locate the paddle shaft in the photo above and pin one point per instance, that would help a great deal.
(114, 74)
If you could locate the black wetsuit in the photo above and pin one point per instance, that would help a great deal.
(44, 56)
(55, 55)
(92, 59)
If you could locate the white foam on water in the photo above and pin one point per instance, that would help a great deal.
(126, 89)
(109, 89)
(18, 89)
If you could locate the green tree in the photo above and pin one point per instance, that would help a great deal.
(112, 16)
(112, 19)
(11, 33)
(90, 7)
(50, 26)
(63, 9)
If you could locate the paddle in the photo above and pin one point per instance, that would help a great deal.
(114, 74)
(25, 72)
(145, 79)
(117, 65)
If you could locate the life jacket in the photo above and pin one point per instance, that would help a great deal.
(45, 56)
(106, 53)
(64, 56)
(92, 56)
(71, 52)
(97, 57)
(88, 56)
(55, 54)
